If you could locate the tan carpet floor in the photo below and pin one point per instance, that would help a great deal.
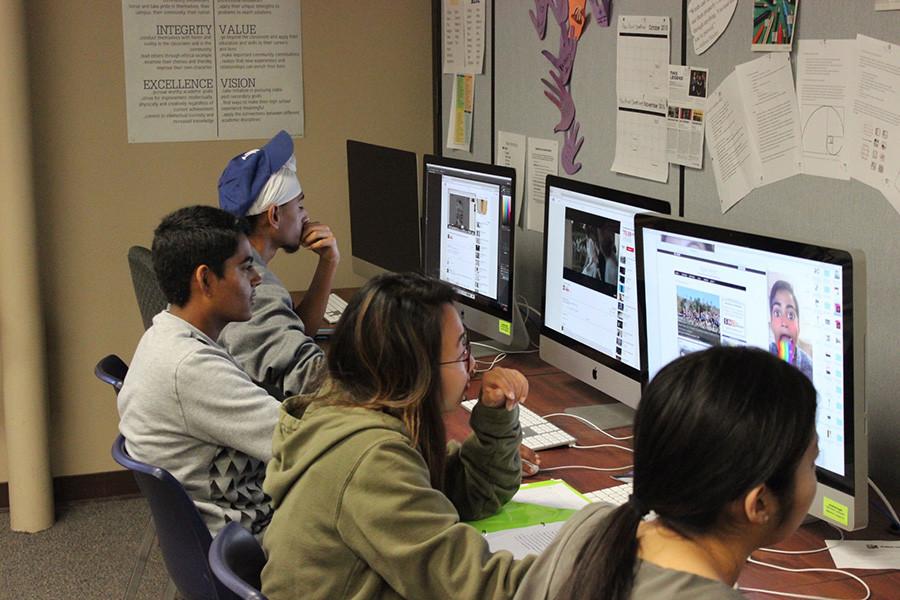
(89, 553)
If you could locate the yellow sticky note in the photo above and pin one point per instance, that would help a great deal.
(836, 511)
(505, 327)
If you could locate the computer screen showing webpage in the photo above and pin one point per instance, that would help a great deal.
(590, 288)
(700, 293)
(471, 223)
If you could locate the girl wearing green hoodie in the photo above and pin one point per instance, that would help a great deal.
(368, 496)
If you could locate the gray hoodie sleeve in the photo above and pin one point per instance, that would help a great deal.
(273, 347)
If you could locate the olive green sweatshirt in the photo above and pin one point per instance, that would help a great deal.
(356, 516)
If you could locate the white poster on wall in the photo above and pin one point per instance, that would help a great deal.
(212, 69)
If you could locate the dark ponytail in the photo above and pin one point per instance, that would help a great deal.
(710, 426)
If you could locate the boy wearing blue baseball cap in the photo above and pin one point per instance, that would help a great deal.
(275, 346)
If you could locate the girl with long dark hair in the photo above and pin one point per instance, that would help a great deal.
(367, 499)
(724, 457)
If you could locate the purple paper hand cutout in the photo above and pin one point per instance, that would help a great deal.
(571, 145)
(559, 94)
(539, 17)
(560, 11)
(566, 59)
(601, 12)
(558, 90)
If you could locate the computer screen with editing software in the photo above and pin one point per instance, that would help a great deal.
(469, 241)
(384, 209)
(701, 286)
(590, 316)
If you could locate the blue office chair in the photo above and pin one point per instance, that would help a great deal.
(237, 559)
(183, 537)
(112, 370)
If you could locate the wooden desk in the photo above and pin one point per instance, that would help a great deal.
(550, 390)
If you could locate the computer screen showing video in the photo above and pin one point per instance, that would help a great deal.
(590, 283)
(469, 231)
(703, 286)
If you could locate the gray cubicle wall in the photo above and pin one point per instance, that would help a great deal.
(844, 214)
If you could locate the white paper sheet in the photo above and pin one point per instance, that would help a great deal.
(542, 159)
(556, 494)
(823, 93)
(753, 128)
(874, 136)
(525, 540)
(462, 104)
(211, 74)
(708, 20)
(767, 86)
(511, 153)
(463, 30)
(686, 115)
(642, 69)
(887, 4)
(865, 554)
(735, 162)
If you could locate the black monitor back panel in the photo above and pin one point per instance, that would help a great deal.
(384, 206)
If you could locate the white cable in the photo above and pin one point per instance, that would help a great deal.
(591, 425)
(523, 301)
(885, 500)
(824, 549)
(489, 347)
(627, 449)
(808, 570)
(586, 467)
(490, 364)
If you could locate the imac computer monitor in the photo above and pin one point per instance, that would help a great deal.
(590, 316)
(468, 234)
(701, 286)
(384, 209)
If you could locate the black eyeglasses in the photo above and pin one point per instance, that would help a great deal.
(467, 352)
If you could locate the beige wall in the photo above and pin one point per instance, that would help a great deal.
(367, 75)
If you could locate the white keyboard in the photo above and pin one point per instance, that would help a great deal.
(617, 494)
(335, 308)
(537, 432)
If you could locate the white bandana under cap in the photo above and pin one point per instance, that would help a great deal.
(282, 187)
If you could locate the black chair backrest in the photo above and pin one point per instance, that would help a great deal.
(150, 298)
(237, 560)
(112, 370)
(183, 537)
